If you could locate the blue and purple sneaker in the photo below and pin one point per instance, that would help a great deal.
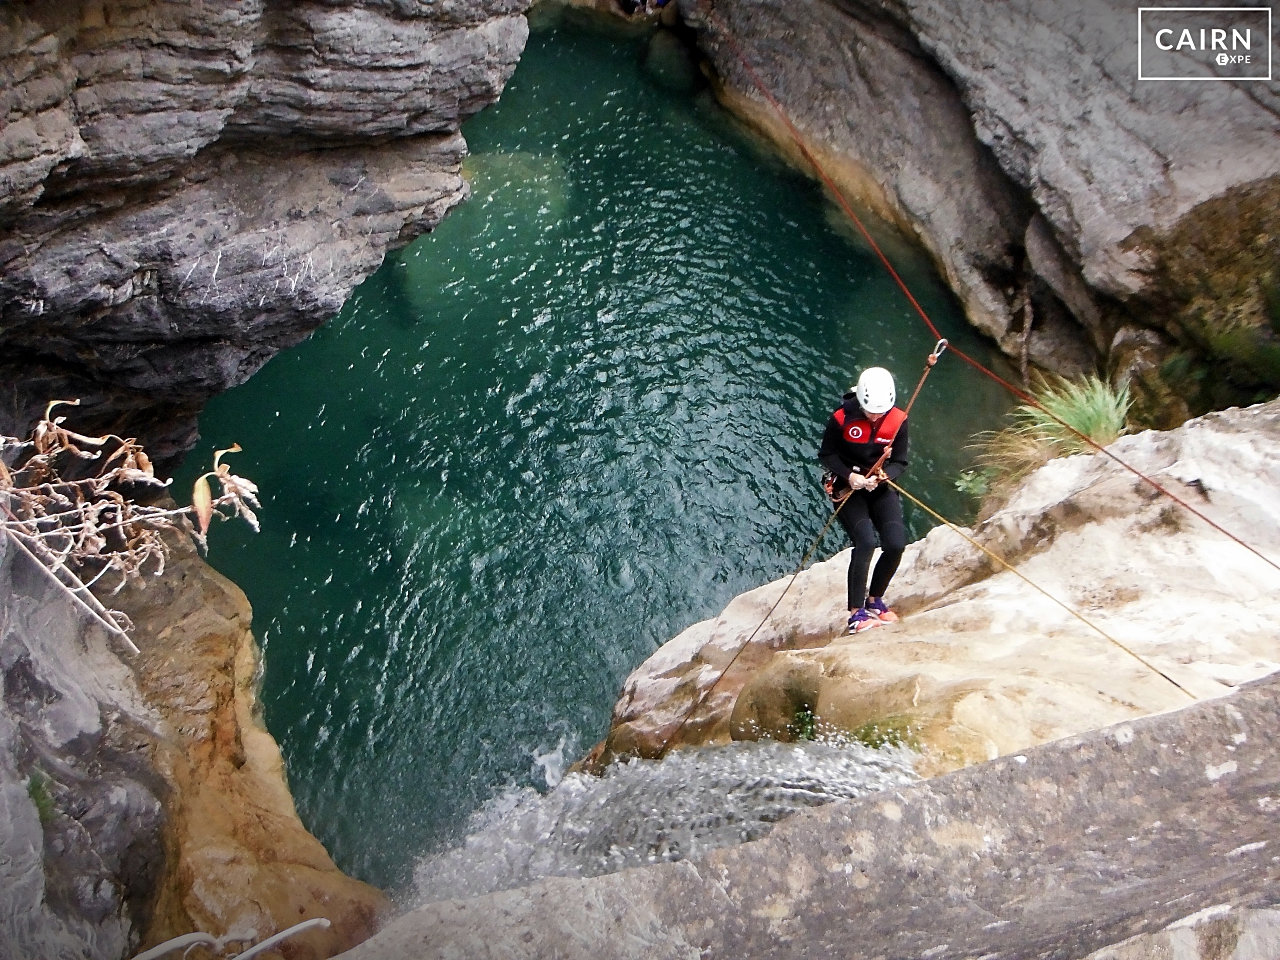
(863, 619)
(880, 610)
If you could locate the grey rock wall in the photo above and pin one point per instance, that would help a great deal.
(81, 818)
(1016, 141)
(186, 189)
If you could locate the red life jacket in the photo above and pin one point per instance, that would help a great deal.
(860, 431)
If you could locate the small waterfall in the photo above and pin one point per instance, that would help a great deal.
(649, 811)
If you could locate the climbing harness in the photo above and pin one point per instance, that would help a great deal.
(930, 362)
(1017, 392)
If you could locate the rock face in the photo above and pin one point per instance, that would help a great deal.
(81, 836)
(1016, 142)
(186, 189)
(1212, 933)
(1057, 852)
(983, 665)
(143, 797)
(240, 859)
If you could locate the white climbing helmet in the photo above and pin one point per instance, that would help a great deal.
(875, 390)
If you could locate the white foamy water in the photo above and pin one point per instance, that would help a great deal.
(647, 812)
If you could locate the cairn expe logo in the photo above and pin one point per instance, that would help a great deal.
(1204, 43)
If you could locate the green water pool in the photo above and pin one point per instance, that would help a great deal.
(578, 417)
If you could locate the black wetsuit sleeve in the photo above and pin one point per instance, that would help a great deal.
(827, 455)
(897, 464)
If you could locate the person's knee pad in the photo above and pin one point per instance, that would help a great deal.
(893, 539)
(864, 535)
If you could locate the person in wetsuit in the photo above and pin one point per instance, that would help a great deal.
(857, 434)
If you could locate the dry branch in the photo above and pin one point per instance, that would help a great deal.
(85, 507)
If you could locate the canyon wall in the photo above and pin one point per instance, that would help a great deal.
(1084, 217)
(186, 189)
(143, 798)
(82, 830)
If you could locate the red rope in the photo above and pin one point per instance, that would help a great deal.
(1017, 392)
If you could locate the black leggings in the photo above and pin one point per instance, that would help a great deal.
(865, 515)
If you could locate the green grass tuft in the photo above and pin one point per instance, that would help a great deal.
(804, 726)
(891, 731)
(1092, 406)
(976, 483)
(38, 791)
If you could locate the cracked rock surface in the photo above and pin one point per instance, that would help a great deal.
(1057, 852)
(186, 189)
(142, 797)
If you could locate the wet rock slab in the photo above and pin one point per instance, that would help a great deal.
(1071, 847)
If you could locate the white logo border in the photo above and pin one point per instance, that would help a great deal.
(1141, 10)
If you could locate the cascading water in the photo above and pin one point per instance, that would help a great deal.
(646, 812)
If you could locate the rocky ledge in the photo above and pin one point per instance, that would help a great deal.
(982, 664)
(186, 189)
(1084, 217)
(143, 797)
(1145, 841)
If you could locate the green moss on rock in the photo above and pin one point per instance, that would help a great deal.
(1217, 273)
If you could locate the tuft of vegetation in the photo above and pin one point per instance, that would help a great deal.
(38, 791)
(891, 731)
(978, 482)
(1091, 406)
(804, 725)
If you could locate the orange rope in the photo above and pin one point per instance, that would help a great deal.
(1020, 394)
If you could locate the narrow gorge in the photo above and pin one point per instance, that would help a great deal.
(507, 451)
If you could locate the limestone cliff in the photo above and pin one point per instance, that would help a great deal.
(143, 797)
(1139, 220)
(81, 835)
(186, 189)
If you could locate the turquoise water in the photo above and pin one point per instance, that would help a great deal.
(539, 442)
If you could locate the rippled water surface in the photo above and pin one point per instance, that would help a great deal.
(537, 443)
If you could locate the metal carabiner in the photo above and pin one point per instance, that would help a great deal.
(938, 350)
